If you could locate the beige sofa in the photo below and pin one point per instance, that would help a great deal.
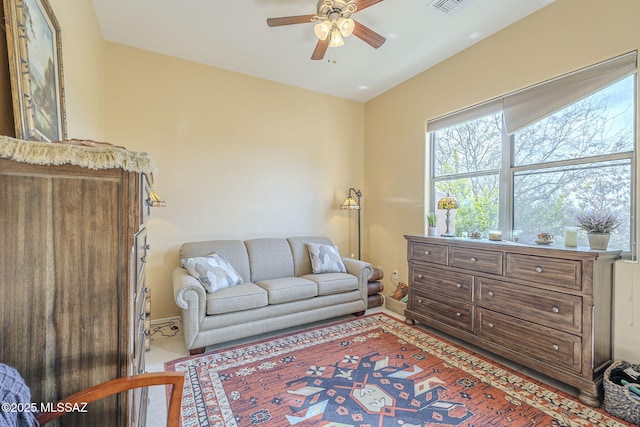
(279, 290)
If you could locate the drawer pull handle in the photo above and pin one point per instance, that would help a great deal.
(426, 252)
(473, 259)
(555, 347)
(420, 276)
(539, 269)
(420, 301)
(458, 285)
(458, 314)
(555, 310)
(490, 293)
(491, 325)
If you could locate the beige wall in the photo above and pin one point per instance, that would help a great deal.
(564, 36)
(83, 54)
(238, 157)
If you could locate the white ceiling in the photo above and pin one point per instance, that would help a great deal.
(233, 35)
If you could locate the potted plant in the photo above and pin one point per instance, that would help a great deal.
(432, 219)
(598, 226)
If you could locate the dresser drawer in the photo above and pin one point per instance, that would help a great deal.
(139, 328)
(535, 341)
(139, 306)
(476, 260)
(546, 308)
(435, 254)
(139, 395)
(138, 346)
(459, 316)
(145, 207)
(139, 315)
(564, 273)
(141, 249)
(441, 284)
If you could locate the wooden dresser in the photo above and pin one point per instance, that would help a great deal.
(547, 308)
(72, 283)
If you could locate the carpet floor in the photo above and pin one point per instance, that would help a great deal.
(369, 371)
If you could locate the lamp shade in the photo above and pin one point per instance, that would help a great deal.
(336, 38)
(322, 30)
(154, 200)
(346, 26)
(350, 203)
(448, 202)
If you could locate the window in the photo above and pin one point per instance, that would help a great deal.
(533, 160)
(467, 163)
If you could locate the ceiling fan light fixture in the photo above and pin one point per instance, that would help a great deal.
(322, 29)
(346, 26)
(336, 39)
(332, 22)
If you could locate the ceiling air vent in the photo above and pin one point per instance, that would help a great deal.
(448, 6)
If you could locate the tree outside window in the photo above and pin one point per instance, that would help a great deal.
(578, 159)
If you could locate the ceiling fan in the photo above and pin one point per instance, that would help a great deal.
(333, 22)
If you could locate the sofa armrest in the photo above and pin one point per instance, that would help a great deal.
(362, 270)
(357, 268)
(191, 297)
(187, 291)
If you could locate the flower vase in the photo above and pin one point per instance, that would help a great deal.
(598, 241)
(433, 231)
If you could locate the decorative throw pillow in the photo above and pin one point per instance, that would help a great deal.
(325, 259)
(214, 271)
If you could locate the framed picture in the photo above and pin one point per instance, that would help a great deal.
(35, 68)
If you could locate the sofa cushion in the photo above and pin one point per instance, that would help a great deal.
(233, 250)
(300, 251)
(269, 258)
(244, 296)
(287, 289)
(333, 283)
(325, 259)
(213, 271)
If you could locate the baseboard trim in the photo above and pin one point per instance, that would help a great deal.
(166, 320)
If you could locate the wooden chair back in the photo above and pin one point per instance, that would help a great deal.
(119, 385)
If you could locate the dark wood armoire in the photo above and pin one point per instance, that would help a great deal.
(72, 282)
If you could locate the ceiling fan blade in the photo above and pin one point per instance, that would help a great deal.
(288, 20)
(320, 50)
(368, 36)
(363, 4)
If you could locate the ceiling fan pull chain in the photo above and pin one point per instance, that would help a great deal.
(334, 53)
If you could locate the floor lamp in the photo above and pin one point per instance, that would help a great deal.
(351, 203)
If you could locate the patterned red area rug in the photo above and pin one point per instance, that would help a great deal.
(370, 371)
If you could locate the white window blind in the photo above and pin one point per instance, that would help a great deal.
(522, 108)
(472, 113)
